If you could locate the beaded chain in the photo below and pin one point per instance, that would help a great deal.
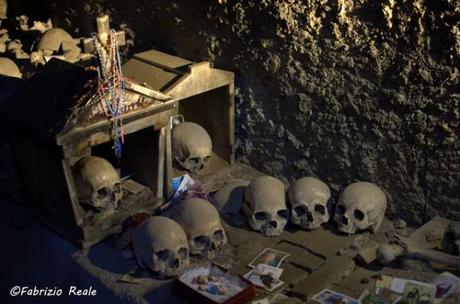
(110, 87)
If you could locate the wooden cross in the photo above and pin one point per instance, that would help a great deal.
(103, 29)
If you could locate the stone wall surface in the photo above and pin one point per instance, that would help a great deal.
(343, 90)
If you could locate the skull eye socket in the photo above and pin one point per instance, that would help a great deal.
(207, 158)
(300, 210)
(320, 209)
(163, 255)
(261, 216)
(201, 241)
(218, 235)
(183, 252)
(194, 160)
(340, 209)
(358, 214)
(117, 188)
(103, 193)
(283, 213)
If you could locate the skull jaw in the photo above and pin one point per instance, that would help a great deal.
(307, 224)
(166, 269)
(194, 167)
(209, 252)
(105, 205)
(310, 220)
(347, 226)
(109, 202)
(347, 229)
(267, 229)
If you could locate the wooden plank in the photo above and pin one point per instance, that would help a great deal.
(148, 75)
(168, 163)
(79, 214)
(88, 43)
(331, 272)
(154, 115)
(162, 59)
(146, 91)
(161, 163)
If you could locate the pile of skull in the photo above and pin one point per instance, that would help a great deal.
(193, 227)
(39, 41)
(361, 206)
(160, 243)
(163, 244)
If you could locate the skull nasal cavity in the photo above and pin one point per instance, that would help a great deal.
(320, 209)
(344, 220)
(273, 224)
(359, 215)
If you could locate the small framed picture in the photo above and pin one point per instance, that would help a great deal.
(269, 256)
(327, 296)
(446, 284)
(211, 285)
(265, 276)
(418, 293)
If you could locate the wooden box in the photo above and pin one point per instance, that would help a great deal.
(205, 95)
(55, 119)
(194, 296)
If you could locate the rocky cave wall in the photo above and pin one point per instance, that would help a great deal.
(343, 90)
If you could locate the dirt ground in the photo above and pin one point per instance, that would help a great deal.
(318, 259)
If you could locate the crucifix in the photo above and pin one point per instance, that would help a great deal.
(103, 32)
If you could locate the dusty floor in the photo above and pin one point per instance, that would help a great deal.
(319, 259)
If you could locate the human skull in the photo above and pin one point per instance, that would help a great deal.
(9, 68)
(451, 240)
(160, 244)
(191, 146)
(97, 183)
(266, 210)
(229, 198)
(201, 223)
(361, 206)
(308, 198)
(57, 39)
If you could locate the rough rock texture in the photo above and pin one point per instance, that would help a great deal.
(343, 90)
